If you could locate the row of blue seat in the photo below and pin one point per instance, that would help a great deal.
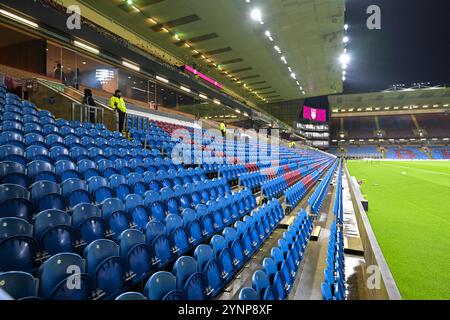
(45, 194)
(338, 208)
(15, 172)
(316, 199)
(214, 266)
(56, 231)
(276, 279)
(296, 193)
(333, 287)
(110, 268)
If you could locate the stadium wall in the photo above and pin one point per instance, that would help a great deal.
(387, 289)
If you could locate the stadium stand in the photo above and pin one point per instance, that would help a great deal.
(121, 211)
(406, 153)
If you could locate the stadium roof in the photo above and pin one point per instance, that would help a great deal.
(434, 99)
(307, 32)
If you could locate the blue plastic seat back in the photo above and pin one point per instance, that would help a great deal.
(132, 201)
(76, 192)
(53, 230)
(135, 296)
(61, 277)
(13, 173)
(14, 202)
(161, 286)
(87, 220)
(47, 195)
(189, 280)
(11, 226)
(260, 283)
(247, 293)
(159, 242)
(107, 267)
(176, 230)
(136, 252)
(18, 284)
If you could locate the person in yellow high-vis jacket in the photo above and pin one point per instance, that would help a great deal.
(223, 129)
(117, 103)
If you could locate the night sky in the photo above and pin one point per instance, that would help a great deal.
(413, 44)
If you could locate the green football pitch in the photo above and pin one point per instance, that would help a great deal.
(409, 210)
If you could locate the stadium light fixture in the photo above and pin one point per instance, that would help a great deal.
(131, 66)
(18, 19)
(216, 101)
(203, 96)
(293, 75)
(267, 33)
(345, 27)
(86, 47)
(343, 78)
(344, 59)
(256, 14)
(162, 79)
(345, 39)
(185, 89)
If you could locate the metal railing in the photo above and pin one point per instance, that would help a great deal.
(86, 113)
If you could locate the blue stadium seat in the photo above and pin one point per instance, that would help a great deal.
(136, 253)
(18, 248)
(88, 222)
(208, 265)
(135, 296)
(262, 286)
(99, 188)
(193, 226)
(53, 230)
(274, 278)
(152, 200)
(63, 277)
(66, 169)
(224, 256)
(12, 138)
(13, 173)
(236, 246)
(107, 267)
(245, 236)
(19, 285)
(247, 293)
(120, 186)
(160, 244)
(38, 170)
(206, 219)
(189, 280)
(87, 168)
(106, 168)
(15, 202)
(175, 229)
(135, 180)
(115, 217)
(37, 152)
(47, 195)
(12, 153)
(75, 191)
(140, 214)
(35, 139)
(162, 285)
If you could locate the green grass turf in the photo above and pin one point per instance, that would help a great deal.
(409, 210)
